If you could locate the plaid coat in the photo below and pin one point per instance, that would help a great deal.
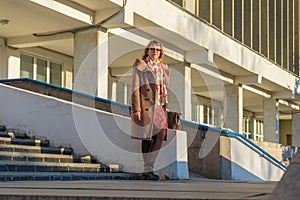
(143, 99)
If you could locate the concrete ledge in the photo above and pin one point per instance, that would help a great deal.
(89, 131)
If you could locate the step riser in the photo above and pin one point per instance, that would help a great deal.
(40, 143)
(36, 168)
(45, 159)
(71, 177)
(47, 150)
(35, 159)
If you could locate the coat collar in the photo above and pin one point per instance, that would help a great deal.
(141, 65)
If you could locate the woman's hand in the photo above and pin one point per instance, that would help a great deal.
(138, 115)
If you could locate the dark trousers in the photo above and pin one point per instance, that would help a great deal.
(150, 148)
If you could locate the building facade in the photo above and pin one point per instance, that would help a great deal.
(234, 63)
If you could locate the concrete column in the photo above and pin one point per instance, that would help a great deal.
(233, 108)
(3, 60)
(296, 129)
(271, 126)
(114, 91)
(180, 98)
(91, 62)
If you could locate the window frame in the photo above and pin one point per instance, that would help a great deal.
(35, 66)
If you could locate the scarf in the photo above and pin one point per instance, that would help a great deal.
(160, 82)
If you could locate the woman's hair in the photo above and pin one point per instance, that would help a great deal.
(156, 42)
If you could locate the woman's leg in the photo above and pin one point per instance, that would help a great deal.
(150, 149)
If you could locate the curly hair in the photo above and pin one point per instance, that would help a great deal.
(156, 42)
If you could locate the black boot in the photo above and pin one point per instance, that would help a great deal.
(150, 176)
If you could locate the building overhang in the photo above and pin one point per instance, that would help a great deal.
(186, 38)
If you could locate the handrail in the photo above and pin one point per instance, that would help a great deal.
(227, 133)
(241, 138)
(66, 90)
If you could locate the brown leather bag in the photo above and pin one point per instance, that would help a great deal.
(173, 120)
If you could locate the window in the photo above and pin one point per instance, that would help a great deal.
(26, 68)
(55, 73)
(205, 114)
(204, 10)
(40, 69)
(178, 2)
(228, 17)
(258, 133)
(247, 127)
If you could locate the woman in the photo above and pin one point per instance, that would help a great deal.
(150, 78)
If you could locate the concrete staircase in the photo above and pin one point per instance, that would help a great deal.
(24, 158)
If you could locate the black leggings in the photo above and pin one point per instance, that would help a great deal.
(150, 148)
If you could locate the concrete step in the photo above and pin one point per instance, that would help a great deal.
(35, 157)
(28, 142)
(43, 157)
(61, 176)
(26, 158)
(35, 149)
(2, 128)
(21, 166)
(14, 134)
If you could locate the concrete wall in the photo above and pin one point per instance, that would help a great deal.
(89, 131)
(107, 136)
(248, 164)
(272, 148)
(203, 151)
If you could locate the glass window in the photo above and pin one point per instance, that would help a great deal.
(217, 13)
(264, 27)
(238, 19)
(291, 37)
(204, 10)
(41, 71)
(258, 130)
(255, 24)
(228, 17)
(247, 23)
(278, 32)
(178, 2)
(271, 30)
(55, 73)
(26, 68)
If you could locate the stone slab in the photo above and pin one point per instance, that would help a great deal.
(136, 189)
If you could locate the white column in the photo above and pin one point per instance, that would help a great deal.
(102, 90)
(114, 91)
(190, 5)
(233, 108)
(296, 129)
(271, 132)
(180, 90)
(91, 62)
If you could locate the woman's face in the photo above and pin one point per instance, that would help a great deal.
(154, 52)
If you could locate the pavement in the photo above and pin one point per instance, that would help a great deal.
(195, 188)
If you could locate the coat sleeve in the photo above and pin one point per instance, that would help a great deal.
(135, 91)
